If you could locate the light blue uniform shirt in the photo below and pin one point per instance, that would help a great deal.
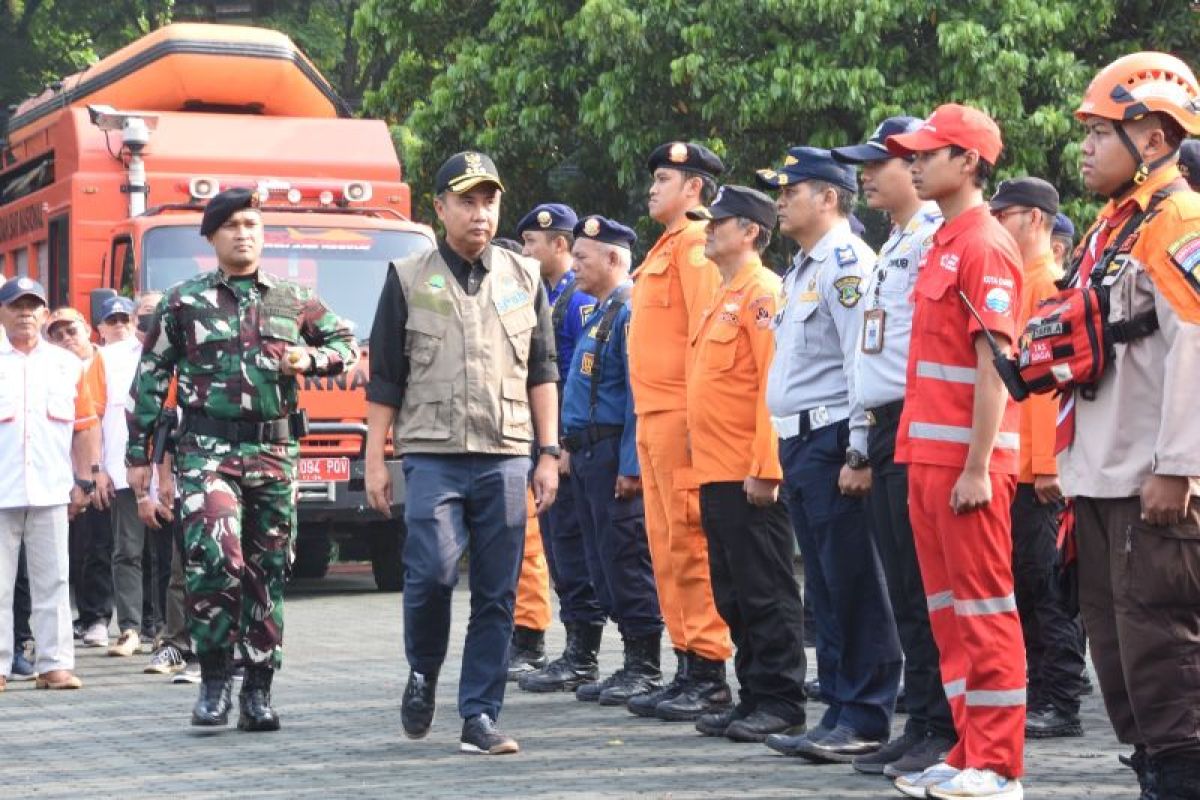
(881, 376)
(816, 336)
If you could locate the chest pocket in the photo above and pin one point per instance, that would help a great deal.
(1131, 292)
(720, 347)
(60, 406)
(210, 336)
(897, 277)
(423, 336)
(518, 326)
(654, 286)
(277, 334)
(800, 327)
(934, 292)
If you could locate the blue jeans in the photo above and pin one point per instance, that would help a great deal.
(456, 504)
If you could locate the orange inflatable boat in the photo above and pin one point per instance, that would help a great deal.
(197, 67)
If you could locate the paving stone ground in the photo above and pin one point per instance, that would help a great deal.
(127, 735)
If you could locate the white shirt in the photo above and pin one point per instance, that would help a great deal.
(38, 394)
(120, 366)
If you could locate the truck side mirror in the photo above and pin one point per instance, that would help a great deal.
(98, 298)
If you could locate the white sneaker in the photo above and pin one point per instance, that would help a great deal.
(915, 784)
(978, 783)
(127, 645)
(96, 635)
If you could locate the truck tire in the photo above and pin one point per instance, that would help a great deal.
(387, 563)
(314, 552)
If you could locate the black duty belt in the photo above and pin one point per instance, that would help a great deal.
(574, 442)
(888, 414)
(284, 429)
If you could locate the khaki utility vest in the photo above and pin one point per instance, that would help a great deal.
(468, 356)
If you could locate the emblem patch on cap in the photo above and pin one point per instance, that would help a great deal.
(544, 219)
(678, 154)
(790, 160)
(24, 283)
(591, 227)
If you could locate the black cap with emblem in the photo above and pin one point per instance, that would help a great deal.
(1026, 192)
(462, 172)
(224, 205)
(686, 155)
(739, 201)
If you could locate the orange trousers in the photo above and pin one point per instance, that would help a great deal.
(533, 587)
(966, 566)
(678, 547)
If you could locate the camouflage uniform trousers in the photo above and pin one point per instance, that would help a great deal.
(238, 504)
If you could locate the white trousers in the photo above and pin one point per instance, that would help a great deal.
(44, 532)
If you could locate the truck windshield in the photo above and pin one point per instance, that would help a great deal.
(346, 266)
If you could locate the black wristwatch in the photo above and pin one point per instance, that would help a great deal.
(856, 459)
(550, 450)
(87, 486)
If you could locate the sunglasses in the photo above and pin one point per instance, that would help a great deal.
(117, 319)
(58, 333)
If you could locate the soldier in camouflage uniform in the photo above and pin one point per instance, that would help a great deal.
(237, 338)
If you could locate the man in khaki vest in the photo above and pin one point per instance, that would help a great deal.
(463, 366)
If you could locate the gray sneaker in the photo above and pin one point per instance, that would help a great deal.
(931, 750)
(166, 660)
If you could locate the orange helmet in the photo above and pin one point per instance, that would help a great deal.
(1140, 83)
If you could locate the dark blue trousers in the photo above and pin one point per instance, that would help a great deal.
(562, 539)
(456, 504)
(614, 538)
(858, 651)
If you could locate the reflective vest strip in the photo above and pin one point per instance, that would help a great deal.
(959, 435)
(955, 688)
(1003, 697)
(989, 605)
(936, 602)
(946, 372)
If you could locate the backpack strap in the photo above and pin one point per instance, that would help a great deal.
(603, 334)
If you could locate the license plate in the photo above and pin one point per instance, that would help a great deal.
(324, 469)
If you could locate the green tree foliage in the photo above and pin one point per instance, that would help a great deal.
(571, 96)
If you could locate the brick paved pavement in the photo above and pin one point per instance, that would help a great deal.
(126, 734)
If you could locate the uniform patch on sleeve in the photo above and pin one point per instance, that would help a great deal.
(586, 309)
(998, 300)
(762, 307)
(585, 366)
(845, 255)
(1185, 254)
(849, 290)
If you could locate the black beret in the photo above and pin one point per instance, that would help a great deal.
(602, 229)
(548, 217)
(222, 206)
(686, 155)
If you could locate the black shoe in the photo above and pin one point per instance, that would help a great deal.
(841, 746)
(639, 675)
(526, 652)
(1175, 777)
(706, 691)
(481, 737)
(216, 692)
(812, 689)
(78, 629)
(1050, 723)
(933, 749)
(418, 705)
(874, 763)
(716, 723)
(755, 728)
(791, 744)
(1146, 771)
(577, 665)
(644, 705)
(254, 701)
(901, 701)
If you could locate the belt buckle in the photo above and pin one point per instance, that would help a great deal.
(818, 418)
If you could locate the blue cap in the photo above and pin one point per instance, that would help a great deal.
(1189, 162)
(548, 217)
(16, 288)
(875, 148)
(116, 305)
(809, 164)
(602, 229)
(1063, 226)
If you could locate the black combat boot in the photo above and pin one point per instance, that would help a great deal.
(1175, 777)
(526, 652)
(1146, 773)
(216, 691)
(643, 705)
(640, 674)
(254, 700)
(706, 691)
(577, 665)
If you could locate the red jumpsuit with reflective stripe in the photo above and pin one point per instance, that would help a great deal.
(966, 559)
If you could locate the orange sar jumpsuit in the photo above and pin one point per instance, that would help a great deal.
(672, 286)
(532, 609)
